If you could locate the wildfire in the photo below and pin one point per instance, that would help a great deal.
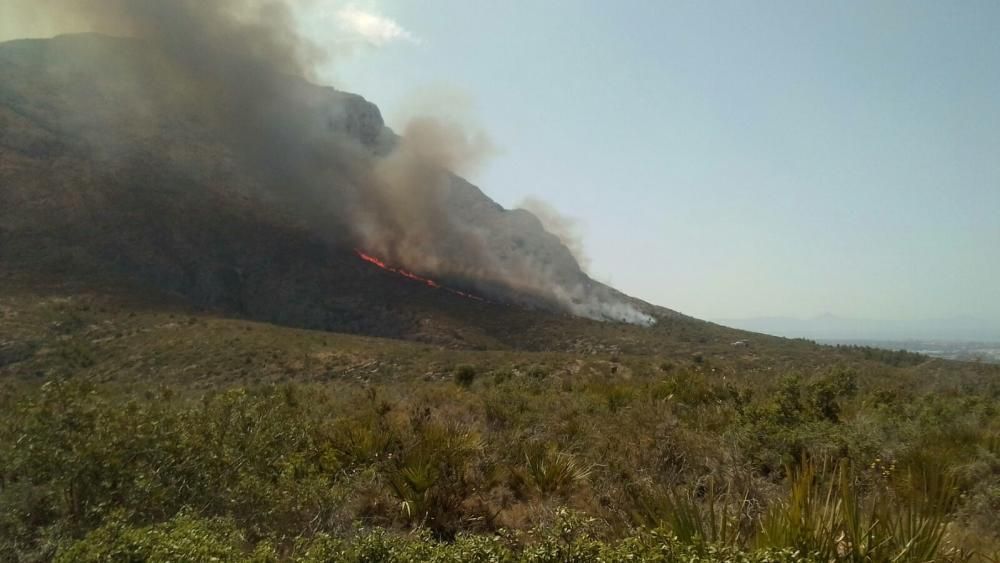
(406, 274)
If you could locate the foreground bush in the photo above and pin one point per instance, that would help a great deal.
(189, 539)
(682, 468)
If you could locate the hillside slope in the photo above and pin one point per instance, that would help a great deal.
(110, 173)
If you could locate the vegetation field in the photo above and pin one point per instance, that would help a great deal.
(137, 432)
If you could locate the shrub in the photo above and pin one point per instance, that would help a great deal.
(431, 471)
(550, 471)
(465, 375)
(182, 538)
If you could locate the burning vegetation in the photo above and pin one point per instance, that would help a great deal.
(407, 274)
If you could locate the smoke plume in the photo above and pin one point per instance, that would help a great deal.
(327, 156)
(566, 228)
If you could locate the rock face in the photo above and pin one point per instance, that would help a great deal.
(113, 164)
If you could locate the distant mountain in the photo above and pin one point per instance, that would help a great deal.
(830, 327)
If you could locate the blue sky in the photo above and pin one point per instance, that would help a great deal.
(734, 159)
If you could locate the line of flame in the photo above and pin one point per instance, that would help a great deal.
(407, 274)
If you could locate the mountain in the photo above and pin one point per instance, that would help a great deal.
(119, 168)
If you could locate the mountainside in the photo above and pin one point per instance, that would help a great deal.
(114, 168)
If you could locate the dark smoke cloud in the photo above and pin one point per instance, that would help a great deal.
(394, 196)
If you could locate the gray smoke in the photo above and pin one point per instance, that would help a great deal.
(240, 64)
(562, 226)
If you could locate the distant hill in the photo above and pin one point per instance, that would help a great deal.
(829, 327)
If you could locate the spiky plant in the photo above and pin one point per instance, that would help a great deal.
(552, 471)
(915, 529)
(807, 520)
(825, 515)
(714, 519)
(428, 477)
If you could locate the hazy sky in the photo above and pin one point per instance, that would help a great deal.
(725, 159)
(733, 159)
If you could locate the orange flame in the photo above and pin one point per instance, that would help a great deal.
(406, 274)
